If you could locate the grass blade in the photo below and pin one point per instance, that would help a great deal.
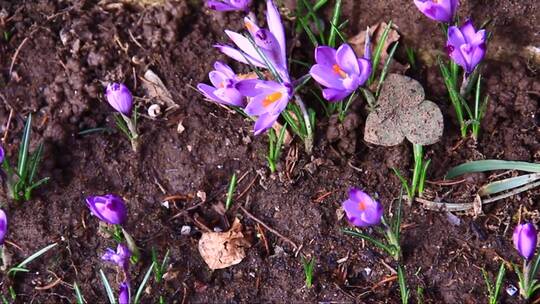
(385, 68)
(34, 162)
(378, 50)
(404, 291)
(490, 165)
(33, 257)
(368, 238)
(78, 294)
(143, 283)
(308, 270)
(230, 192)
(23, 150)
(498, 282)
(335, 19)
(507, 184)
(108, 288)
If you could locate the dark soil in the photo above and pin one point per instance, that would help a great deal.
(66, 51)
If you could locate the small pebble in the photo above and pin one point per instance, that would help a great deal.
(185, 230)
(511, 290)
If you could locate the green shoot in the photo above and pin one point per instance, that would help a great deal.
(335, 20)
(78, 294)
(450, 80)
(128, 126)
(21, 181)
(308, 270)
(159, 268)
(342, 110)
(135, 253)
(230, 192)
(275, 146)
(108, 289)
(138, 295)
(419, 174)
(404, 291)
(479, 109)
(419, 295)
(411, 56)
(376, 58)
(528, 285)
(494, 290)
(21, 267)
(386, 66)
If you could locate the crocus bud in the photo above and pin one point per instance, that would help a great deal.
(109, 208)
(466, 46)
(228, 5)
(119, 97)
(362, 210)
(120, 257)
(123, 294)
(438, 10)
(525, 238)
(3, 226)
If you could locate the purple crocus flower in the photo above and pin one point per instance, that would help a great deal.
(268, 100)
(224, 90)
(3, 226)
(109, 208)
(362, 210)
(119, 97)
(120, 257)
(438, 10)
(2, 154)
(466, 46)
(525, 238)
(341, 72)
(270, 41)
(229, 5)
(124, 293)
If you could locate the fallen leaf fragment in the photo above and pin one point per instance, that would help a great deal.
(376, 31)
(223, 249)
(156, 90)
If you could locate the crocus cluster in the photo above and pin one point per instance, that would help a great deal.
(341, 72)
(228, 5)
(362, 210)
(3, 226)
(465, 45)
(266, 48)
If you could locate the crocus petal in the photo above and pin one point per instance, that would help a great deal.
(258, 107)
(119, 97)
(477, 55)
(225, 69)
(365, 70)
(3, 226)
(244, 45)
(455, 36)
(325, 55)
(468, 31)
(220, 6)
(239, 56)
(276, 27)
(250, 87)
(124, 293)
(218, 79)
(264, 122)
(108, 208)
(326, 76)
(443, 12)
(266, 41)
(230, 96)
(347, 60)
(2, 154)
(335, 94)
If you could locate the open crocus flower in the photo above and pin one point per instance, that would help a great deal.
(3, 226)
(362, 210)
(525, 239)
(224, 90)
(270, 41)
(466, 46)
(119, 97)
(268, 100)
(120, 257)
(109, 208)
(124, 293)
(339, 71)
(229, 5)
(438, 10)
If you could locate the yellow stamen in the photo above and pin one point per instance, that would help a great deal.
(271, 98)
(362, 206)
(339, 71)
(248, 26)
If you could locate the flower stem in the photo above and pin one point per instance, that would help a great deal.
(308, 140)
(392, 239)
(524, 291)
(133, 133)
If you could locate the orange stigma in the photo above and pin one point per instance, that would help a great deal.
(248, 26)
(339, 71)
(362, 206)
(271, 98)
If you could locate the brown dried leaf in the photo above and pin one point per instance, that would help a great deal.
(223, 249)
(357, 42)
(155, 88)
(403, 112)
